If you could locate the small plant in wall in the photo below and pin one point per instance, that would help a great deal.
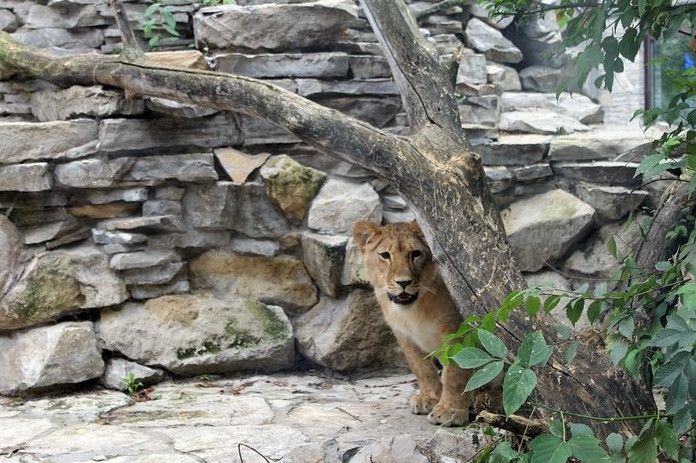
(132, 383)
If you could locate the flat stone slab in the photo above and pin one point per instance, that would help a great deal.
(293, 418)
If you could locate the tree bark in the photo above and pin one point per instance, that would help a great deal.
(434, 169)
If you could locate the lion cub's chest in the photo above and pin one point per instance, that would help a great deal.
(415, 324)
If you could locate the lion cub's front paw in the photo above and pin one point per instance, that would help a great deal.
(421, 403)
(448, 416)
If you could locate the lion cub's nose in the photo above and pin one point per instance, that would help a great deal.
(404, 283)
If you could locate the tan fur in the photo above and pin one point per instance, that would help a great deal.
(419, 326)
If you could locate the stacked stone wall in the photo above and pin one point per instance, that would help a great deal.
(143, 233)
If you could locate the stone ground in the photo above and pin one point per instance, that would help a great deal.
(293, 417)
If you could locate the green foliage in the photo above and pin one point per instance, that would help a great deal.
(132, 383)
(158, 22)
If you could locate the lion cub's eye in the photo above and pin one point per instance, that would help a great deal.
(385, 255)
(416, 254)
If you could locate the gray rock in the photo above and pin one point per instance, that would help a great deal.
(145, 292)
(211, 206)
(129, 195)
(499, 178)
(160, 275)
(8, 21)
(257, 247)
(514, 150)
(606, 143)
(175, 109)
(10, 249)
(551, 280)
(117, 248)
(488, 40)
(611, 202)
(601, 172)
(170, 192)
(479, 11)
(43, 17)
(543, 227)
(66, 353)
(348, 334)
(256, 216)
(314, 25)
(541, 41)
(141, 135)
(92, 173)
(31, 141)
(190, 239)
(78, 101)
(153, 170)
(117, 369)
(398, 216)
(199, 334)
(353, 270)
(594, 261)
(541, 121)
(324, 257)
(116, 237)
(472, 70)
(577, 106)
(369, 66)
(504, 78)
(541, 78)
(356, 88)
(533, 172)
(60, 282)
(162, 207)
(36, 234)
(324, 65)
(157, 223)
(143, 259)
(281, 280)
(378, 111)
(80, 39)
(34, 176)
(257, 131)
(339, 204)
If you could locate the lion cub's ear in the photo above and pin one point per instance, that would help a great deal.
(415, 228)
(364, 232)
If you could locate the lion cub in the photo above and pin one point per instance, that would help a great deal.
(418, 308)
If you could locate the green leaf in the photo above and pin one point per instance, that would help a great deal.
(626, 327)
(518, 384)
(532, 304)
(492, 344)
(547, 448)
(551, 302)
(615, 442)
(471, 357)
(643, 451)
(611, 247)
(556, 427)
(667, 439)
(503, 453)
(534, 350)
(682, 420)
(484, 375)
(152, 9)
(594, 311)
(574, 310)
(587, 448)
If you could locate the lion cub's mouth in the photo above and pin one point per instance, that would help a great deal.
(403, 298)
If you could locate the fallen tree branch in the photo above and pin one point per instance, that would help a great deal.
(514, 423)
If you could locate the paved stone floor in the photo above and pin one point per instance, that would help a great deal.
(294, 418)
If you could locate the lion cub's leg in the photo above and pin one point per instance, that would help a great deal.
(429, 386)
(453, 407)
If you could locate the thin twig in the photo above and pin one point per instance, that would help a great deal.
(239, 452)
(131, 48)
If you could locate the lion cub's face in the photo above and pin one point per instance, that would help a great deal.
(395, 257)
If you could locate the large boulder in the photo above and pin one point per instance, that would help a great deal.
(60, 282)
(323, 255)
(543, 227)
(80, 101)
(340, 203)
(291, 186)
(541, 121)
(30, 177)
(274, 65)
(32, 141)
(574, 105)
(489, 41)
(611, 202)
(66, 353)
(281, 280)
(10, 248)
(611, 173)
(347, 334)
(199, 334)
(312, 25)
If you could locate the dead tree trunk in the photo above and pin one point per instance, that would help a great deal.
(435, 170)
